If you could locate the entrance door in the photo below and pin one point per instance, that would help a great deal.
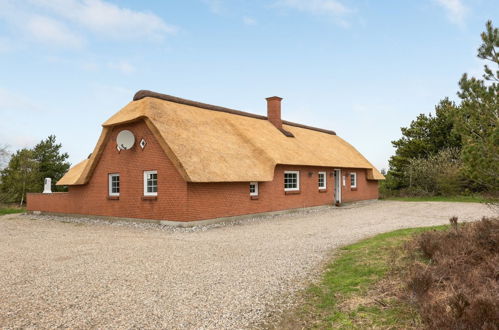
(337, 186)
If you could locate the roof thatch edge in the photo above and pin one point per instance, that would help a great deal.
(146, 93)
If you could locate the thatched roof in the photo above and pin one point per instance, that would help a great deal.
(213, 144)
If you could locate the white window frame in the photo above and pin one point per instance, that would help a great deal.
(324, 181)
(110, 184)
(146, 193)
(355, 179)
(297, 180)
(255, 193)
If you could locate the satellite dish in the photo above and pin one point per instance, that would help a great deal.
(125, 140)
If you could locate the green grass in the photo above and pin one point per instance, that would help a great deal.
(465, 199)
(4, 211)
(347, 282)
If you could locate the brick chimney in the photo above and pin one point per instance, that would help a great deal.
(274, 111)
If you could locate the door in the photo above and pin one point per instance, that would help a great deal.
(337, 186)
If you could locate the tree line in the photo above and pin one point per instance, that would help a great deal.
(25, 170)
(456, 150)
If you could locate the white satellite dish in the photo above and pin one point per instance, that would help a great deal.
(125, 140)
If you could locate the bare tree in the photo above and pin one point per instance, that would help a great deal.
(4, 156)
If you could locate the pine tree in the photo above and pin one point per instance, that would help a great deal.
(51, 162)
(478, 118)
(425, 137)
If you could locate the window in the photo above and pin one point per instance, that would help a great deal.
(353, 180)
(150, 183)
(253, 187)
(322, 180)
(114, 184)
(291, 180)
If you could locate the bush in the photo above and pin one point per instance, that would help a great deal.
(457, 287)
(438, 174)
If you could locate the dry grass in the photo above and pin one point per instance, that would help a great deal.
(456, 286)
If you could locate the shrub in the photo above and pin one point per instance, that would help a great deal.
(457, 287)
(437, 174)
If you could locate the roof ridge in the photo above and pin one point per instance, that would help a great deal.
(147, 93)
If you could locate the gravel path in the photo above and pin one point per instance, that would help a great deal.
(92, 274)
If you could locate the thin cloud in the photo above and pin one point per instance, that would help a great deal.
(107, 19)
(14, 102)
(49, 31)
(122, 66)
(6, 45)
(215, 6)
(456, 11)
(317, 7)
(67, 23)
(36, 27)
(332, 8)
(249, 21)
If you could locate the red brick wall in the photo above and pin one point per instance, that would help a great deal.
(366, 189)
(92, 198)
(211, 200)
(181, 201)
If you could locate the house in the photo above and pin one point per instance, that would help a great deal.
(181, 160)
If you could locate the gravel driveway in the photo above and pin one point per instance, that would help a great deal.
(57, 274)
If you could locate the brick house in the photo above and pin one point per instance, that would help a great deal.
(194, 161)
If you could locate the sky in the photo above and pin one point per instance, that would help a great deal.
(361, 68)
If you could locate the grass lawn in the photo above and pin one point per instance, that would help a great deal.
(466, 199)
(11, 210)
(351, 293)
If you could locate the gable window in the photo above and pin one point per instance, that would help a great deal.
(322, 180)
(150, 183)
(291, 180)
(353, 180)
(114, 184)
(253, 188)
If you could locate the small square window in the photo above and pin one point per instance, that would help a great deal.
(353, 180)
(322, 180)
(114, 184)
(253, 188)
(150, 183)
(291, 180)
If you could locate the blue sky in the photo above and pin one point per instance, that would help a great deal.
(362, 68)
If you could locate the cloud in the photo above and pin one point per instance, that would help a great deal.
(90, 66)
(68, 22)
(13, 102)
(122, 66)
(49, 31)
(332, 8)
(249, 21)
(85, 64)
(108, 19)
(215, 6)
(36, 27)
(318, 7)
(16, 142)
(456, 11)
(6, 45)
(118, 91)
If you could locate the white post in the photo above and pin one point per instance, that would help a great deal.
(47, 187)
